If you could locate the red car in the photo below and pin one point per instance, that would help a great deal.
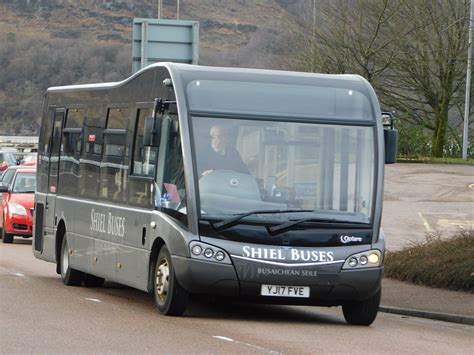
(29, 159)
(16, 210)
(6, 159)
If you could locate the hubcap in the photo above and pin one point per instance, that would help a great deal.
(162, 280)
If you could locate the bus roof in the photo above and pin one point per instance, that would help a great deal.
(260, 91)
(189, 72)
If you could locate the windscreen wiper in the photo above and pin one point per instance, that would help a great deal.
(230, 222)
(281, 228)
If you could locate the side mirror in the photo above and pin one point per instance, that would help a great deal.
(3, 188)
(152, 132)
(390, 135)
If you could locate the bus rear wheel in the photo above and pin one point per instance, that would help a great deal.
(69, 276)
(170, 298)
(362, 312)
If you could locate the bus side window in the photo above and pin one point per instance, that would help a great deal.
(143, 165)
(144, 158)
(70, 152)
(44, 149)
(173, 199)
(91, 156)
(114, 165)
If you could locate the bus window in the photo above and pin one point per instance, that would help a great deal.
(75, 118)
(89, 165)
(144, 158)
(143, 165)
(44, 150)
(55, 150)
(173, 191)
(70, 152)
(113, 170)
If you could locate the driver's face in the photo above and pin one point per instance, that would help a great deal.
(218, 139)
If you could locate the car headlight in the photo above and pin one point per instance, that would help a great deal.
(366, 259)
(207, 252)
(15, 208)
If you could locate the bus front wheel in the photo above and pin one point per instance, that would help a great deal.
(362, 312)
(69, 276)
(170, 297)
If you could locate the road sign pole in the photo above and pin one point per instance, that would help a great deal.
(465, 137)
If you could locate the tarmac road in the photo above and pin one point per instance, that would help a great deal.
(421, 199)
(38, 314)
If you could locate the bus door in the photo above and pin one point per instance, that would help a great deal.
(50, 218)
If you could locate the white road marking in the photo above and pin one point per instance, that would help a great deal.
(456, 223)
(12, 272)
(223, 338)
(444, 222)
(425, 222)
(93, 299)
(246, 344)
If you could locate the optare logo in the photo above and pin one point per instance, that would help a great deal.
(349, 238)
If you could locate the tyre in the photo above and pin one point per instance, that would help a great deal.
(170, 297)
(362, 312)
(93, 281)
(6, 238)
(69, 276)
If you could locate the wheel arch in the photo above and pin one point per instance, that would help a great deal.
(155, 249)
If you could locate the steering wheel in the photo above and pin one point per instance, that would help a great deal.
(214, 172)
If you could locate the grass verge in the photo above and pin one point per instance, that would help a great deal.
(430, 160)
(444, 263)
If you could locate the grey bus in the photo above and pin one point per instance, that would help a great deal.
(260, 185)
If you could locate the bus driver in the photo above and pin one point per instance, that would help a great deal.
(222, 156)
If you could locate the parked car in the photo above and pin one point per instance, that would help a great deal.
(7, 176)
(16, 210)
(6, 159)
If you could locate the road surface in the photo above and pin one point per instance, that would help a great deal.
(38, 314)
(423, 199)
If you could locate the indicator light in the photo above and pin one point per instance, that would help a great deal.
(219, 256)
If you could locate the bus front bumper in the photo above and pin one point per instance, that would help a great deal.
(328, 289)
(202, 277)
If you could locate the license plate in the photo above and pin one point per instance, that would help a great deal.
(285, 291)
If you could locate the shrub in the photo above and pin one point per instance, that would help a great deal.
(413, 141)
(445, 263)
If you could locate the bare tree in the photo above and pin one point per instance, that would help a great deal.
(412, 52)
(358, 37)
(427, 77)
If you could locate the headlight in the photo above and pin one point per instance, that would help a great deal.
(196, 250)
(366, 259)
(208, 252)
(15, 208)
